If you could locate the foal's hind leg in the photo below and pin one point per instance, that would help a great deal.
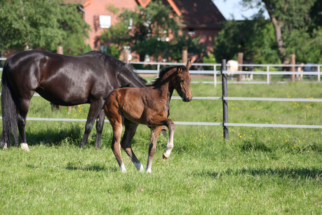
(99, 128)
(94, 110)
(116, 123)
(152, 147)
(130, 129)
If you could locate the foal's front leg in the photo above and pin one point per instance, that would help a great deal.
(171, 127)
(153, 144)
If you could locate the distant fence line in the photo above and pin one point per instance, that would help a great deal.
(225, 97)
(216, 72)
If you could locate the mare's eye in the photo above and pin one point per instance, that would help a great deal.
(181, 80)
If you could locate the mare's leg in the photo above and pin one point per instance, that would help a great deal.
(99, 128)
(152, 147)
(95, 108)
(23, 107)
(130, 129)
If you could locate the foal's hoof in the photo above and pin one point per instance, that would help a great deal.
(164, 158)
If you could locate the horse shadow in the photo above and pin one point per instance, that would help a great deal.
(53, 137)
(92, 167)
(293, 173)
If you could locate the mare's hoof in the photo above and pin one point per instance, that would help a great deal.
(164, 158)
(4, 145)
(25, 147)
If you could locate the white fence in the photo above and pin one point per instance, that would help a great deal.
(224, 73)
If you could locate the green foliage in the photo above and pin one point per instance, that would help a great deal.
(113, 51)
(292, 13)
(112, 8)
(30, 24)
(316, 16)
(288, 16)
(255, 38)
(209, 59)
(75, 29)
(148, 35)
(87, 49)
(306, 48)
(192, 44)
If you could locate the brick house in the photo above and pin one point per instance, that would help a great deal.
(201, 18)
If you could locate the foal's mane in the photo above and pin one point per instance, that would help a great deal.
(162, 73)
(119, 65)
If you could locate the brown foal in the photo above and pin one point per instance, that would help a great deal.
(149, 106)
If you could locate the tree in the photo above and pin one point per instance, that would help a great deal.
(150, 32)
(255, 38)
(75, 30)
(285, 15)
(28, 24)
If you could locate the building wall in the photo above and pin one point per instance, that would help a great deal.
(97, 8)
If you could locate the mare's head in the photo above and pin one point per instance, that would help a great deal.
(181, 82)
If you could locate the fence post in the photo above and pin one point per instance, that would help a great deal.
(60, 50)
(185, 54)
(292, 67)
(215, 76)
(318, 73)
(267, 69)
(224, 102)
(158, 69)
(240, 68)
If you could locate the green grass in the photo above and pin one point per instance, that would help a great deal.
(257, 171)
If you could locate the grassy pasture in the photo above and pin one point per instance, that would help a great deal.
(257, 171)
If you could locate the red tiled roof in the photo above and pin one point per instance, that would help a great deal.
(144, 3)
(199, 13)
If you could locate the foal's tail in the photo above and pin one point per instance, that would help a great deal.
(9, 109)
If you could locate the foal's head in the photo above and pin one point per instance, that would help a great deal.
(181, 82)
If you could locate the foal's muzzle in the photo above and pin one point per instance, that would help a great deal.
(186, 98)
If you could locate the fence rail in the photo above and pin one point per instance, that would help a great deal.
(224, 97)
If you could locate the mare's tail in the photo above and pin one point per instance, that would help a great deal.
(9, 109)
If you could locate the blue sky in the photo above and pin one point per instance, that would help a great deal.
(228, 7)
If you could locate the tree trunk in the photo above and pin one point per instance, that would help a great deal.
(279, 38)
(278, 29)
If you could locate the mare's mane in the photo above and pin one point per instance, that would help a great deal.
(120, 66)
(162, 73)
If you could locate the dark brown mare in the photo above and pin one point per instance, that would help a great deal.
(149, 106)
(62, 80)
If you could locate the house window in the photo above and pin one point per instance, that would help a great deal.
(191, 31)
(105, 21)
(130, 23)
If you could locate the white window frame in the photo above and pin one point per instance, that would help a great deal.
(105, 21)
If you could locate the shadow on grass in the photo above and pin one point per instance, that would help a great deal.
(298, 173)
(54, 136)
(94, 167)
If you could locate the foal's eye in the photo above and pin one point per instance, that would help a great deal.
(181, 80)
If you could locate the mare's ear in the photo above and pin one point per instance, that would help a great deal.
(180, 70)
(188, 64)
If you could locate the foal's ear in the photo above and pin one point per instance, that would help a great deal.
(188, 64)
